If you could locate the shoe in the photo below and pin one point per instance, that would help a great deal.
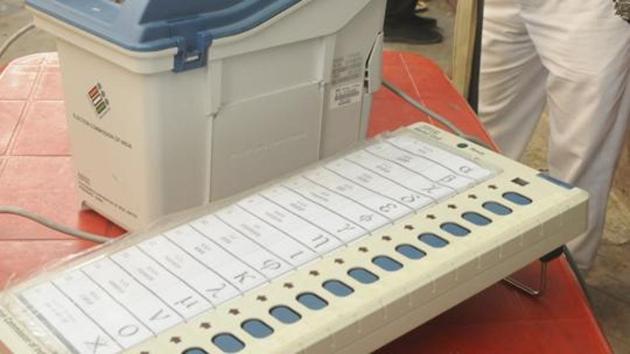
(413, 30)
(421, 20)
(427, 21)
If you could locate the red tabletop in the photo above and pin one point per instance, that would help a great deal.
(36, 174)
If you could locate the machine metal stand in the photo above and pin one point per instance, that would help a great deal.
(539, 289)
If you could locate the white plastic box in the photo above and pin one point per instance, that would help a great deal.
(222, 103)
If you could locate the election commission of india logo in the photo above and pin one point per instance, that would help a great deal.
(99, 100)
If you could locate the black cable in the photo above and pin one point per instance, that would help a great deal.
(576, 271)
(473, 88)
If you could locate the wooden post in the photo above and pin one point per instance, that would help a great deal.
(464, 37)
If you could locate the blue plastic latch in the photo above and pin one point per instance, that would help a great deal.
(555, 181)
(192, 54)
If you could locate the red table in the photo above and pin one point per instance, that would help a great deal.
(36, 174)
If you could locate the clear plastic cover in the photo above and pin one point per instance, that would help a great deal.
(116, 296)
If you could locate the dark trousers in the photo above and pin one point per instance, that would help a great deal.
(399, 8)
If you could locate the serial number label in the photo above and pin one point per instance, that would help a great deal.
(346, 94)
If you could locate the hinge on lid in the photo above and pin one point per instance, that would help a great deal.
(374, 65)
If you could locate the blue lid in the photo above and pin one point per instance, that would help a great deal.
(151, 25)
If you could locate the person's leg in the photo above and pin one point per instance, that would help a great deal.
(402, 24)
(512, 78)
(397, 8)
(586, 49)
(406, 9)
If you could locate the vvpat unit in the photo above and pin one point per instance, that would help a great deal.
(172, 104)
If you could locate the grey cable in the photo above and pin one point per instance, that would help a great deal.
(14, 37)
(53, 225)
(30, 215)
(424, 109)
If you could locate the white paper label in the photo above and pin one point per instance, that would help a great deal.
(115, 302)
(346, 94)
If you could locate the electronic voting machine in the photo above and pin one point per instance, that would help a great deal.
(342, 257)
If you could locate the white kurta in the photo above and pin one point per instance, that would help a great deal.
(574, 56)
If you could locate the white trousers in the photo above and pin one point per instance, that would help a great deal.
(573, 56)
